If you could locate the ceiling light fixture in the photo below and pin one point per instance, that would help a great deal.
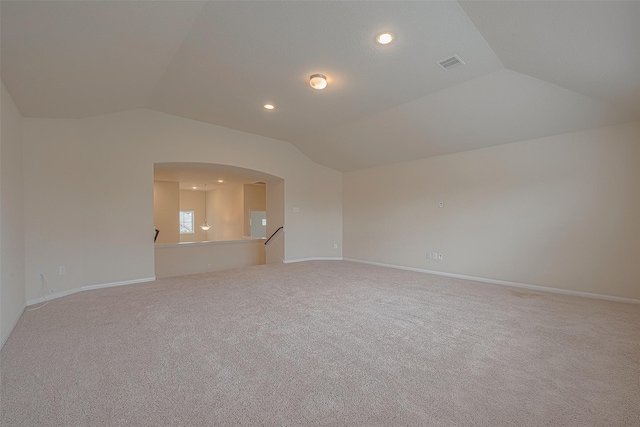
(269, 106)
(205, 225)
(318, 81)
(384, 38)
(220, 180)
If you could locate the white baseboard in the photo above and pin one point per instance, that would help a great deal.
(53, 296)
(12, 325)
(90, 288)
(126, 282)
(290, 261)
(504, 282)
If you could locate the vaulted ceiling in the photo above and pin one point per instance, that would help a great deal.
(531, 69)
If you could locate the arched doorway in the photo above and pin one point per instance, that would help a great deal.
(203, 213)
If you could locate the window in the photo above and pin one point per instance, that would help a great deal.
(186, 222)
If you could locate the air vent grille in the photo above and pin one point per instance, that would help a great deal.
(450, 63)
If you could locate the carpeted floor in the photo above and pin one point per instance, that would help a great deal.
(322, 344)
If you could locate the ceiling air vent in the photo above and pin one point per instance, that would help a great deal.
(450, 63)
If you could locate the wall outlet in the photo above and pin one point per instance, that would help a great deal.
(296, 210)
(439, 257)
(335, 246)
(62, 270)
(441, 204)
(209, 266)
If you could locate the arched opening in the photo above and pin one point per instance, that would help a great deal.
(212, 217)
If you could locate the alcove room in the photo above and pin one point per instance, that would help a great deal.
(210, 217)
(320, 213)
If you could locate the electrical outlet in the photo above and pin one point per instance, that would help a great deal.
(441, 204)
(335, 246)
(62, 270)
(209, 265)
(439, 257)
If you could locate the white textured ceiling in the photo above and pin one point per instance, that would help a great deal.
(532, 69)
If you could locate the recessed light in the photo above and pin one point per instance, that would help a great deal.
(220, 180)
(384, 38)
(269, 106)
(318, 81)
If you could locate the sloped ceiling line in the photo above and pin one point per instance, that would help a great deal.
(532, 69)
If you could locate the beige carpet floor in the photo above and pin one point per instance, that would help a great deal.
(322, 344)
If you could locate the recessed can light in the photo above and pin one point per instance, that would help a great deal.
(269, 106)
(318, 81)
(220, 180)
(194, 187)
(384, 38)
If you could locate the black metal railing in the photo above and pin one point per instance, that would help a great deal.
(274, 233)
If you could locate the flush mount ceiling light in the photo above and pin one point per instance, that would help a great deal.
(384, 38)
(220, 180)
(318, 81)
(205, 225)
(269, 106)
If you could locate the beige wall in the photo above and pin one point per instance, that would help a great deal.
(225, 212)
(561, 212)
(12, 279)
(275, 219)
(177, 260)
(255, 199)
(166, 208)
(194, 201)
(95, 177)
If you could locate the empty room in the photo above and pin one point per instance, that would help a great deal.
(320, 213)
